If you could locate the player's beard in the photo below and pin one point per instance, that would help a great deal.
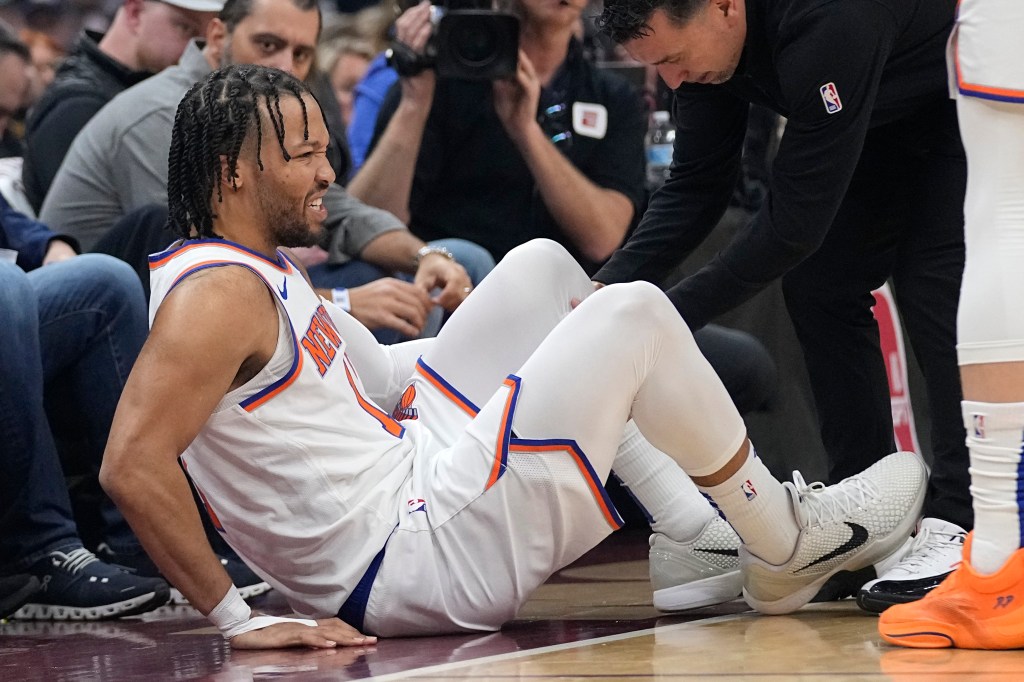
(288, 227)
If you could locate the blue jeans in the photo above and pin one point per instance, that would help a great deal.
(70, 334)
(476, 259)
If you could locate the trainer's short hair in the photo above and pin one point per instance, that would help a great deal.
(625, 20)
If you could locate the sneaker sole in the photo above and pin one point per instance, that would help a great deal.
(178, 599)
(128, 607)
(868, 555)
(717, 589)
(877, 601)
(918, 636)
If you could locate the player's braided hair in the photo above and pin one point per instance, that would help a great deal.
(213, 121)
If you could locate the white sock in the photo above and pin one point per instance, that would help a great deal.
(995, 437)
(759, 509)
(671, 501)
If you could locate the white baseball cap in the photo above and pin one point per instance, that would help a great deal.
(198, 5)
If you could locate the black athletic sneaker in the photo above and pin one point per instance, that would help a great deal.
(15, 590)
(248, 583)
(934, 555)
(78, 586)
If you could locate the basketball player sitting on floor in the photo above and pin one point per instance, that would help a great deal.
(446, 514)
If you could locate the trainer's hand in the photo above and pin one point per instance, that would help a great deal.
(573, 302)
(391, 303)
(438, 272)
(329, 633)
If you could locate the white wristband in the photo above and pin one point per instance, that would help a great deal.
(231, 612)
(341, 299)
(260, 622)
(232, 616)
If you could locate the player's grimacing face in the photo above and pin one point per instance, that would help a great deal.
(290, 193)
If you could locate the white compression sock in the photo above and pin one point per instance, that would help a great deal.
(995, 437)
(672, 502)
(759, 509)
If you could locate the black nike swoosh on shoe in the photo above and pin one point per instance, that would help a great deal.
(859, 537)
(723, 552)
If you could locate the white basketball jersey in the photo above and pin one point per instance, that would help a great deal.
(299, 468)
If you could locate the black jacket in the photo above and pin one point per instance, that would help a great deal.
(885, 60)
(86, 81)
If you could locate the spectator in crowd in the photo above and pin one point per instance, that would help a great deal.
(345, 61)
(15, 83)
(555, 151)
(368, 94)
(868, 184)
(46, 58)
(72, 329)
(144, 38)
(119, 163)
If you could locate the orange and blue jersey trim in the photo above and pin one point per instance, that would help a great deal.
(982, 91)
(158, 260)
(597, 489)
(507, 440)
(504, 431)
(262, 396)
(386, 421)
(449, 391)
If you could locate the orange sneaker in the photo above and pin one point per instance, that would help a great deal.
(967, 610)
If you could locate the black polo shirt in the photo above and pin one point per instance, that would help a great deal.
(835, 69)
(471, 181)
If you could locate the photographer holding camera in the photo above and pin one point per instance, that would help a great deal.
(554, 149)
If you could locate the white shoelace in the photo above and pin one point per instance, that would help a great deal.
(928, 545)
(75, 560)
(820, 504)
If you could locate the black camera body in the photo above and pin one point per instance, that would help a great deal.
(468, 43)
(476, 44)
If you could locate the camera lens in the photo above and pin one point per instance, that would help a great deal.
(476, 45)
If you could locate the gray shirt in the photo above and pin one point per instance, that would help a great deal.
(119, 162)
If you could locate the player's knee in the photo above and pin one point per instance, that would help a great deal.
(541, 255)
(639, 307)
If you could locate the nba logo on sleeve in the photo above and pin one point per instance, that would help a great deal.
(749, 490)
(417, 505)
(830, 96)
(978, 425)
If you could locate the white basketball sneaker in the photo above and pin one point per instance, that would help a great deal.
(702, 572)
(843, 527)
(934, 554)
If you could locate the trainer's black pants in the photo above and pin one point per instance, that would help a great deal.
(902, 217)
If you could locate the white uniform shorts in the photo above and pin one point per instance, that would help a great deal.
(987, 50)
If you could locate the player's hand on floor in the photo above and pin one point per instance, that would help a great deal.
(329, 633)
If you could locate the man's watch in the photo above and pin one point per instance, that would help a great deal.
(428, 250)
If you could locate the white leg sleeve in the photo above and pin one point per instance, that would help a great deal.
(990, 325)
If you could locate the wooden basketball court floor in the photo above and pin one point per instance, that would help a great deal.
(593, 621)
